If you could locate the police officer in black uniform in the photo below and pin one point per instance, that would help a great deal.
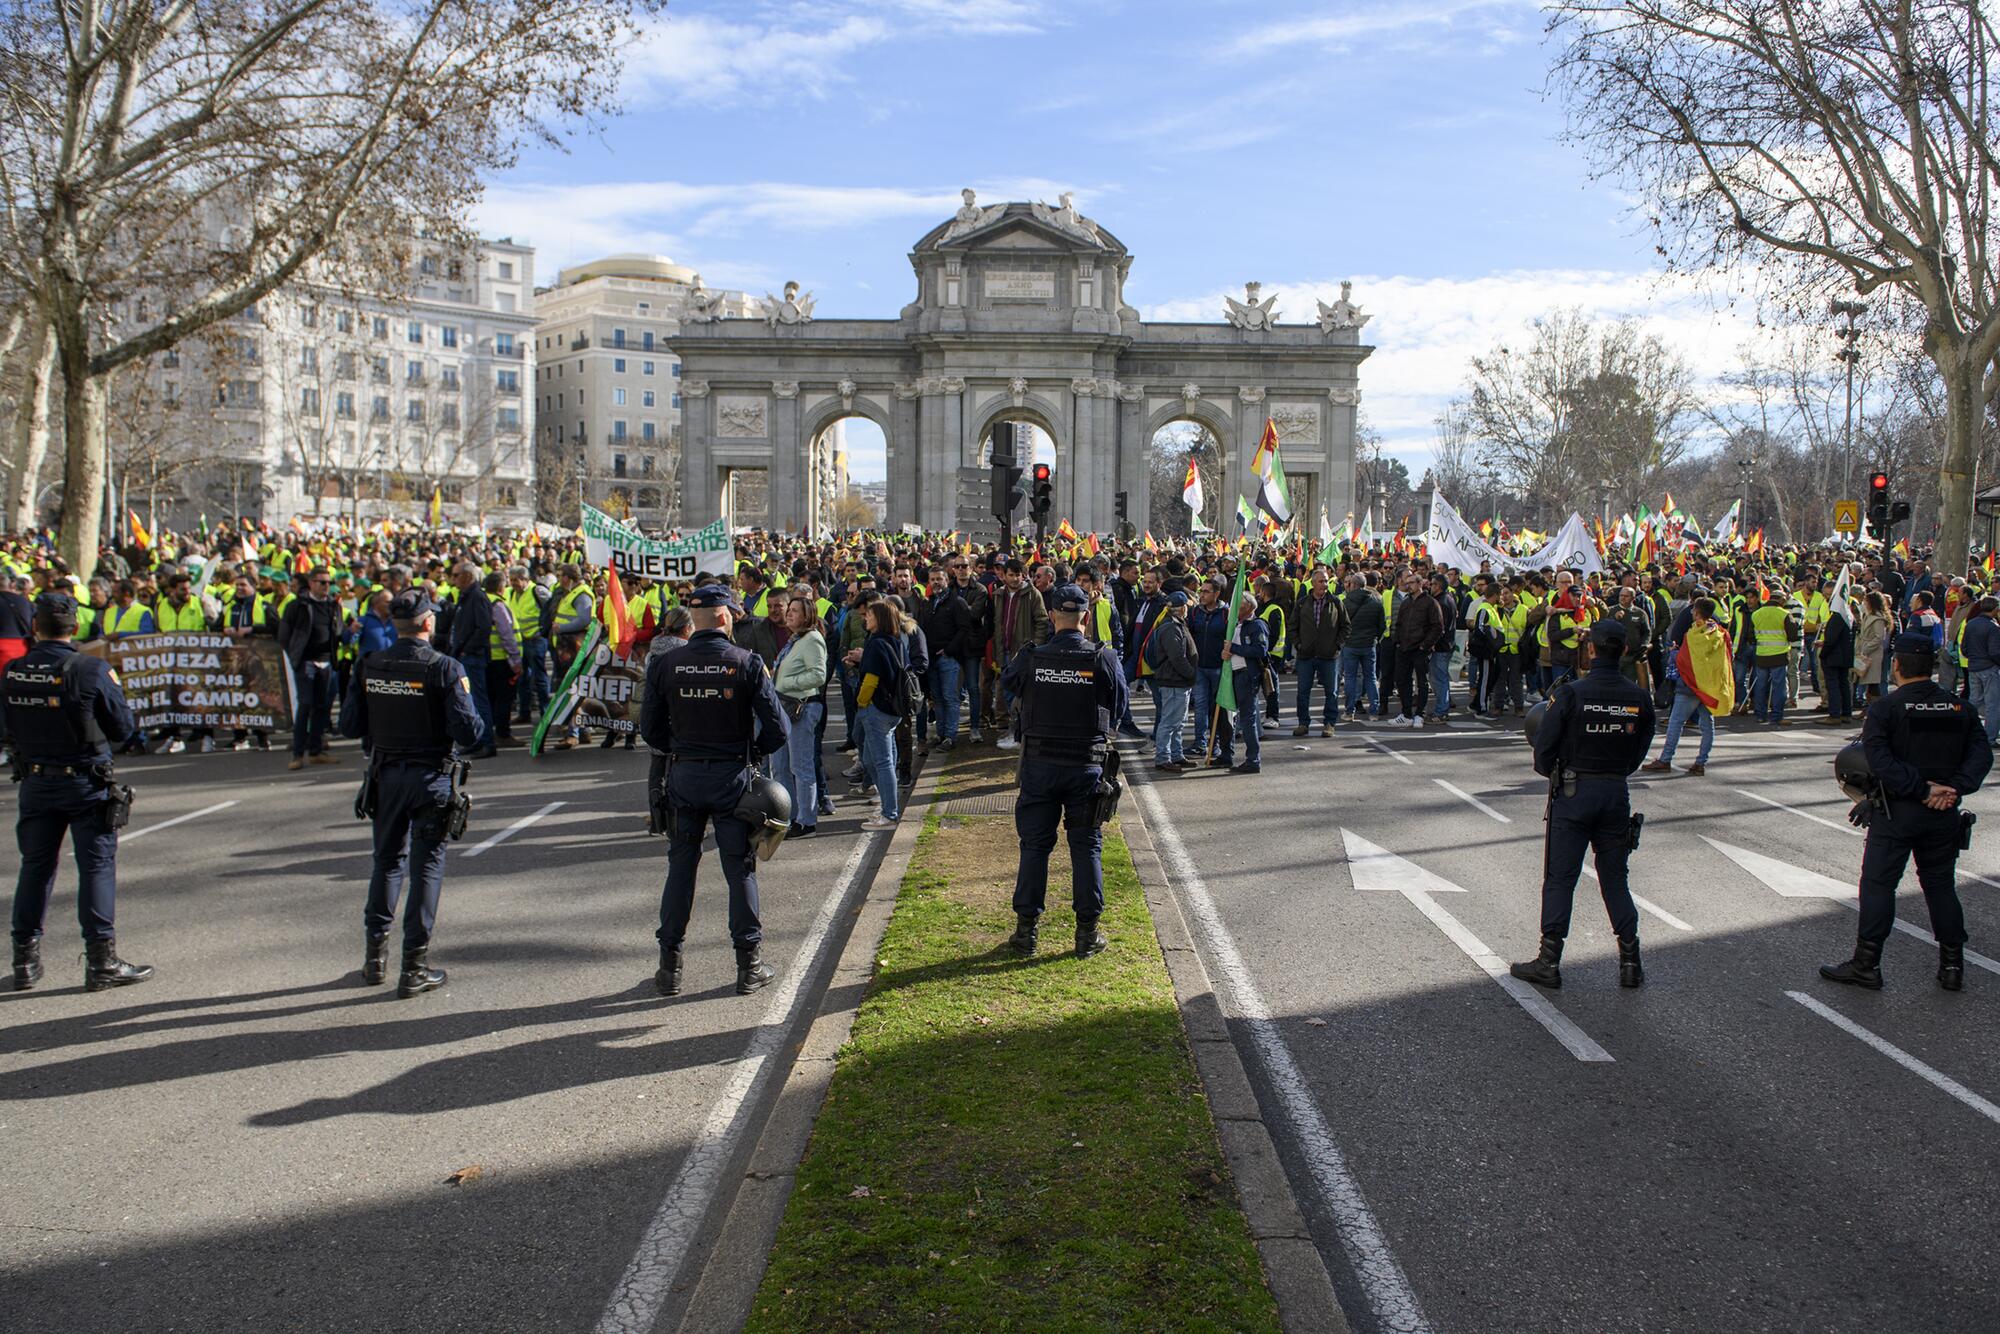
(1927, 750)
(1071, 692)
(411, 703)
(65, 712)
(711, 709)
(1596, 732)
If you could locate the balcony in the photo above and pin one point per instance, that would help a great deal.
(506, 354)
(578, 343)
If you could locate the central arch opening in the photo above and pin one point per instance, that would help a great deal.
(1167, 456)
(847, 477)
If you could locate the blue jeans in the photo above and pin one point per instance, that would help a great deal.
(1321, 671)
(1767, 688)
(1207, 683)
(1249, 684)
(797, 764)
(944, 696)
(531, 695)
(310, 708)
(1985, 684)
(878, 755)
(1170, 707)
(1357, 677)
(1441, 682)
(1687, 705)
(968, 675)
(475, 671)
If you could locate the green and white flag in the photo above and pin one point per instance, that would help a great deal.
(1225, 695)
(1246, 517)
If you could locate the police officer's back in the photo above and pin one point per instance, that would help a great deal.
(65, 712)
(711, 709)
(1597, 731)
(1926, 749)
(1071, 692)
(411, 703)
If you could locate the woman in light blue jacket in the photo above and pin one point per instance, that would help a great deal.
(800, 679)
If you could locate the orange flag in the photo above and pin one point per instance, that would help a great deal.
(617, 618)
(139, 533)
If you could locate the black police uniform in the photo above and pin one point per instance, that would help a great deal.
(710, 706)
(1071, 691)
(65, 712)
(1597, 731)
(1915, 735)
(411, 703)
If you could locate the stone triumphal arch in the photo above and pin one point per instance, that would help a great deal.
(1020, 316)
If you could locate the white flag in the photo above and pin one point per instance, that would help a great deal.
(1838, 598)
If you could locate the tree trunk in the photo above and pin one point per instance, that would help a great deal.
(31, 432)
(83, 463)
(1963, 409)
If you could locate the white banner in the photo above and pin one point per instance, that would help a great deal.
(1452, 541)
(609, 542)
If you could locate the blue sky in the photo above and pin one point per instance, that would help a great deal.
(1406, 146)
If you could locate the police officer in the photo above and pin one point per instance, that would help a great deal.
(411, 703)
(1927, 750)
(1070, 691)
(711, 709)
(1595, 733)
(65, 712)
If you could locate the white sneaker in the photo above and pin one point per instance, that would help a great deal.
(1418, 722)
(205, 747)
(1398, 721)
(176, 746)
(1007, 743)
(877, 822)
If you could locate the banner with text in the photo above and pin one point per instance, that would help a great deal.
(1450, 540)
(609, 542)
(202, 680)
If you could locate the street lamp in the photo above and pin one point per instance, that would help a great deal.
(1745, 466)
(1604, 488)
(1850, 353)
(1382, 506)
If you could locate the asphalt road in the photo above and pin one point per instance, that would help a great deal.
(1711, 1151)
(256, 1141)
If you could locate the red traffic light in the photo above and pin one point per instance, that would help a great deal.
(1878, 483)
(1042, 473)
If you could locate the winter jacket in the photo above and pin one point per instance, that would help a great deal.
(1170, 652)
(1361, 614)
(1419, 622)
(1317, 626)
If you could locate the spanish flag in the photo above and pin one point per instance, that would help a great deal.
(139, 533)
(1067, 533)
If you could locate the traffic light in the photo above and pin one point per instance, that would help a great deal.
(1044, 493)
(1007, 488)
(1878, 505)
(1122, 507)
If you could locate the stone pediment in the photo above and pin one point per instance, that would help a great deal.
(1019, 226)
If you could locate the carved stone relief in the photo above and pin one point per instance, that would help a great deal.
(739, 418)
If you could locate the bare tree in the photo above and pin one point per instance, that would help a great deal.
(28, 365)
(1825, 145)
(206, 152)
(1167, 513)
(154, 441)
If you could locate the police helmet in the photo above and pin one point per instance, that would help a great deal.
(1851, 770)
(767, 808)
(1533, 722)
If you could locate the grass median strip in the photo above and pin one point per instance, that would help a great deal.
(1010, 1142)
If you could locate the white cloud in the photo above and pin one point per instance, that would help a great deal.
(1427, 330)
(1339, 30)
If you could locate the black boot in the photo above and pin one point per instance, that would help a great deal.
(106, 969)
(751, 970)
(1089, 940)
(1863, 970)
(27, 963)
(1023, 939)
(375, 963)
(1542, 969)
(1630, 974)
(668, 979)
(1951, 967)
(418, 976)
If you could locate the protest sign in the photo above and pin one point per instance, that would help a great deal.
(601, 690)
(202, 680)
(609, 542)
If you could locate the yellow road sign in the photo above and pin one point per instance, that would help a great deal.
(1846, 516)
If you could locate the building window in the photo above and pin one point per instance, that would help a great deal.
(343, 321)
(343, 365)
(617, 430)
(448, 335)
(379, 326)
(617, 465)
(618, 365)
(343, 405)
(171, 358)
(245, 350)
(506, 496)
(510, 419)
(171, 392)
(428, 266)
(309, 316)
(309, 360)
(416, 331)
(649, 497)
(448, 414)
(618, 398)
(647, 399)
(309, 402)
(646, 464)
(677, 370)
(506, 269)
(503, 345)
(414, 410)
(240, 394)
(455, 270)
(645, 368)
(677, 398)
(448, 379)
(648, 431)
(503, 302)
(509, 382)
(378, 410)
(413, 372)
(646, 340)
(559, 402)
(617, 338)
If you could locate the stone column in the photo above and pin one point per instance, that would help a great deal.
(907, 427)
(1134, 475)
(1082, 490)
(1249, 430)
(788, 459)
(1343, 406)
(699, 501)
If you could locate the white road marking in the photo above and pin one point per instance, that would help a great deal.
(1795, 882)
(1471, 800)
(1967, 875)
(178, 819)
(1647, 905)
(642, 1289)
(1377, 870)
(514, 829)
(1889, 1049)
(1387, 1289)
(1840, 825)
(1386, 751)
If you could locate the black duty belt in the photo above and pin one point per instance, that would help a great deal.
(1602, 777)
(41, 769)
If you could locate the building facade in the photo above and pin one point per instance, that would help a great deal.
(608, 389)
(319, 402)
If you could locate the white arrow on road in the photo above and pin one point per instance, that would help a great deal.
(1377, 870)
(1795, 882)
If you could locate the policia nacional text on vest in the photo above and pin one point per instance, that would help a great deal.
(409, 703)
(1596, 731)
(65, 712)
(1071, 691)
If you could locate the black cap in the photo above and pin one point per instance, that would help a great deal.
(1068, 597)
(1915, 643)
(410, 605)
(1608, 634)
(1176, 598)
(56, 604)
(714, 595)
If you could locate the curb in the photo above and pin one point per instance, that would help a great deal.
(724, 1291)
(1292, 1262)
